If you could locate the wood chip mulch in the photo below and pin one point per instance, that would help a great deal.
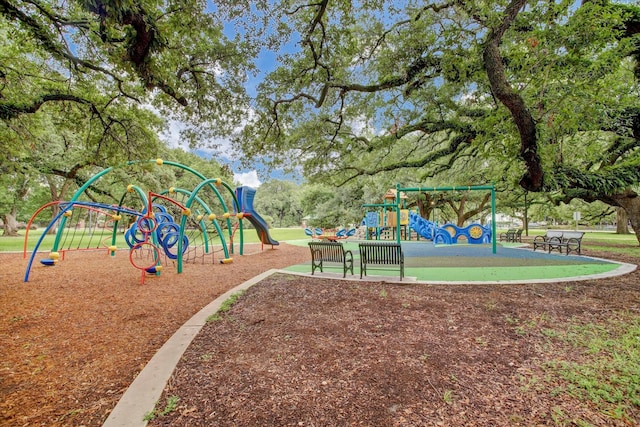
(295, 350)
(75, 336)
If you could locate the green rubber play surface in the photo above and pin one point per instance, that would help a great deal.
(476, 263)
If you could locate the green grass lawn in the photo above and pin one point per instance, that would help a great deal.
(592, 240)
(17, 243)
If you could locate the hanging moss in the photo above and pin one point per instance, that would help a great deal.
(606, 181)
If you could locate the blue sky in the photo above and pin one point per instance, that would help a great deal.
(252, 177)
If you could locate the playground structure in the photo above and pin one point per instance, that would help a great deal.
(449, 234)
(394, 212)
(176, 225)
(382, 223)
(333, 235)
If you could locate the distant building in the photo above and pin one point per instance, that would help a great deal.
(503, 220)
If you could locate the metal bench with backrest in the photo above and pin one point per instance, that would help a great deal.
(549, 241)
(571, 242)
(518, 236)
(330, 252)
(508, 236)
(380, 253)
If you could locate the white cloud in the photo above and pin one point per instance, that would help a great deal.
(172, 134)
(172, 137)
(248, 178)
(221, 146)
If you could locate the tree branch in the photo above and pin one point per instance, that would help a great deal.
(456, 144)
(41, 34)
(533, 179)
(9, 111)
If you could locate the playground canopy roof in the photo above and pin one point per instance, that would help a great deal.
(391, 194)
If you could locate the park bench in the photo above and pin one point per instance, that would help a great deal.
(380, 253)
(331, 252)
(518, 236)
(545, 242)
(571, 241)
(512, 235)
(504, 237)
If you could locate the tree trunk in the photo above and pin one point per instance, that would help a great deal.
(630, 202)
(55, 210)
(622, 220)
(426, 207)
(460, 213)
(10, 223)
(533, 179)
(463, 215)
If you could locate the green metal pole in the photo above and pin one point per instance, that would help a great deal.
(398, 213)
(236, 205)
(493, 218)
(202, 222)
(459, 188)
(183, 221)
(63, 220)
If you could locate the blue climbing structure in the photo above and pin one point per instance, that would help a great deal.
(449, 234)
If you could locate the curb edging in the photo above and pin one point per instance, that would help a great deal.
(141, 396)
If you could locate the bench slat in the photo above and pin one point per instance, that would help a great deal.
(380, 254)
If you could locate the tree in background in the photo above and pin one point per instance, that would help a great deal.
(281, 201)
(546, 89)
(622, 220)
(329, 207)
(55, 186)
(16, 188)
(58, 147)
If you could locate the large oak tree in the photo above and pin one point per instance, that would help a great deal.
(548, 90)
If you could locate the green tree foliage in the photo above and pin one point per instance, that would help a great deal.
(547, 90)
(95, 80)
(280, 200)
(109, 55)
(330, 207)
(23, 196)
(87, 84)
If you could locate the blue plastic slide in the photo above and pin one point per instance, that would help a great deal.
(245, 197)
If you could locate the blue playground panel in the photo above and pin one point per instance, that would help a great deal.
(449, 234)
